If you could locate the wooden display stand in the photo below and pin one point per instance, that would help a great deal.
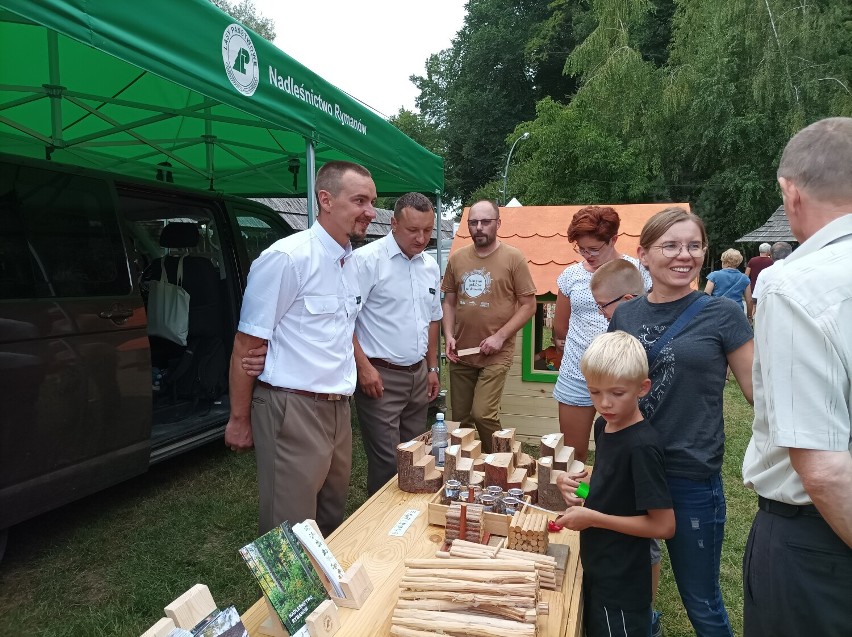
(365, 536)
(324, 621)
(555, 458)
(459, 467)
(416, 466)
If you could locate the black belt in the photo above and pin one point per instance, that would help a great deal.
(303, 392)
(380, 362)
(786, 510)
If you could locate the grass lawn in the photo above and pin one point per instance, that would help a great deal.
(106, 565)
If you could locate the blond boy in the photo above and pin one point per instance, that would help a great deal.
(628, 500)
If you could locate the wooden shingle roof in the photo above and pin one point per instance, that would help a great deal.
(776, 228)
(541, 233)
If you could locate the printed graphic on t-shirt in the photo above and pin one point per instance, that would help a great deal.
(662, 371)
(476, 283)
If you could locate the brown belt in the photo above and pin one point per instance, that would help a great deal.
(302, 392)
(380, 362)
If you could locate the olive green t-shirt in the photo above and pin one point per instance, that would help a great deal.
(488, 289)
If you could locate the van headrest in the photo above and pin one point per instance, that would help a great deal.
(179, 235)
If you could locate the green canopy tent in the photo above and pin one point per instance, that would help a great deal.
(125, 86)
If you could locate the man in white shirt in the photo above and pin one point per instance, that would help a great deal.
(396, 345)
(797, 570)
(303, 297)
(779, 251)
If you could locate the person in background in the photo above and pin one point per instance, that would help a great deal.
(628, 500)
(302, 297)
(594, 231)
(757, 264)
(396, 335)
(780, 250)
(730, 282)
(685, 402)
(797, 567)
(488, 296)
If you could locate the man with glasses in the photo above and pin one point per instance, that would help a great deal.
(489, 295)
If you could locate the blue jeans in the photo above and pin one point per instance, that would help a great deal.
(696, 551)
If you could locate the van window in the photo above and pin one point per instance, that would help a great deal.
(58, 236)
(255, 232)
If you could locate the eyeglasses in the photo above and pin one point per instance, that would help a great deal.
(601, 308)
(671, 249)
(480, 222)
(590, 253)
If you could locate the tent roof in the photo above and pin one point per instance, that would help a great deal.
(776, 228)
(124, 86)
(541, 233)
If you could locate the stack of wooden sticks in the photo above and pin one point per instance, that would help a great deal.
(483, 597)
(528, 532)
(464, 521)
(545, 565)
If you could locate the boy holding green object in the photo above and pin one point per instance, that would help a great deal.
(629, 500)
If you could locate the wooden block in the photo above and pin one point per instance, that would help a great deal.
(549, 495)
(498, 468)
(191, 607)
(467, 351)
(416, 468)
(503, 441)
(324, 621)
(161, 629)
(462, 436)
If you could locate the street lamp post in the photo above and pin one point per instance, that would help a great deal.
(508, 159)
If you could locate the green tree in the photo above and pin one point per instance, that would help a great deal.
(247, 13)
(478, 90)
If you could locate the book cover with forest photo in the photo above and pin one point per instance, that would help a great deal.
(286, 575)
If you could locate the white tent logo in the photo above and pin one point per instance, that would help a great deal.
(240, 59)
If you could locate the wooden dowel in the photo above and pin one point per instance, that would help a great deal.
(518, 601)
(476, 625)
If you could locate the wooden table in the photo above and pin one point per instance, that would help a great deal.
(364, 536)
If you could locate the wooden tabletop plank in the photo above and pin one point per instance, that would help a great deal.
(365, 536)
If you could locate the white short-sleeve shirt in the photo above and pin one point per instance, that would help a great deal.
(304, 303)
(802, 362)
(400, 298)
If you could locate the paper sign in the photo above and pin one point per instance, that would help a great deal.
(404, 522)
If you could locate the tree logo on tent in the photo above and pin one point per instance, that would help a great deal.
(240, 59)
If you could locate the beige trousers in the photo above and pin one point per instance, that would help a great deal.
(475, 395)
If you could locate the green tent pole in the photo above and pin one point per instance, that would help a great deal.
(310, 161)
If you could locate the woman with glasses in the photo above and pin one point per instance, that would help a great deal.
(578, 319)
(685, 401)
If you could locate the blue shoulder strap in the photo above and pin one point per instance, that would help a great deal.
(675, 328)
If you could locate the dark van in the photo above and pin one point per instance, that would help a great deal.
(87, 397)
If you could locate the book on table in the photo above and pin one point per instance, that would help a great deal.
(285, 574)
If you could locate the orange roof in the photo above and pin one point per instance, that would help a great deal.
(541, 233)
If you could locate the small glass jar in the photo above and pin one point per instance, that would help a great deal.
(488, 502)
(495, 490)
(516, 493)
(511, 505)
(451, 491)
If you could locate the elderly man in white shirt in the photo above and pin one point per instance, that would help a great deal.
(797, 569)
(396, 346)
(303, 297)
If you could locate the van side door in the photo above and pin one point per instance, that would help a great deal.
(75, 408)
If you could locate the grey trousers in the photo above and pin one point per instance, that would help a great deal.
(398, 416)
(303, 449)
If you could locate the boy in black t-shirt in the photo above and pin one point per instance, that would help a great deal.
(628, 498)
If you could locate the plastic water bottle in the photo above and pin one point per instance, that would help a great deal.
(439, 439)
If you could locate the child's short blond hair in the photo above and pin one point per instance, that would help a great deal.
(615, 356)
(618, 277)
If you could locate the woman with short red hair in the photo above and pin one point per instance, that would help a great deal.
(594, 232)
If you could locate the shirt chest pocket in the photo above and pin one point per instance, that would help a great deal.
(318, 318)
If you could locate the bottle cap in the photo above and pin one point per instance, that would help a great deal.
(582, 490)
(439, 416)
